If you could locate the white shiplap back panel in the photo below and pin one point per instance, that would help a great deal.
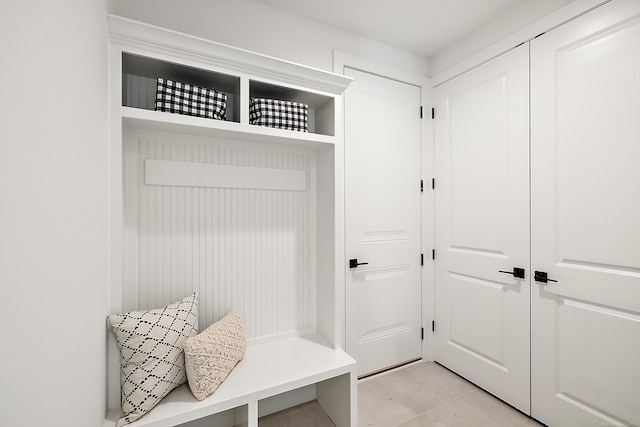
(246, 249)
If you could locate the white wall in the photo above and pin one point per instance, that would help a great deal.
(53, 212)
(254, 26)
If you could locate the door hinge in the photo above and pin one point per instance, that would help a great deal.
(433, 254)
(422, 334)
(421, 111)
(421, 259)
(433, 113)
(421, 185)
(433, 183)
(433, 326)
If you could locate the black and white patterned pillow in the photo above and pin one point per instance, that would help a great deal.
(151, 353)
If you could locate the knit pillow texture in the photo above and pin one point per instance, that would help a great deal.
(151, 353)
(211, 355)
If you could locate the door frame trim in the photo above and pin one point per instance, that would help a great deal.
(343, 60)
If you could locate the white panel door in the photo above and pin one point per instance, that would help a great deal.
(382, 202)
(482, 226)
(585, 184)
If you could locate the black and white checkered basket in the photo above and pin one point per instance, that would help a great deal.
(278, 114)
(183, 98)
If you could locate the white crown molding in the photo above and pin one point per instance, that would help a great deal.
(132, 33)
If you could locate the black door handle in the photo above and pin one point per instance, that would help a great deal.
(541, 276)
(353, 263)
(517, 272)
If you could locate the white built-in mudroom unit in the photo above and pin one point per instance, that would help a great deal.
(306, 224)
(243, 215)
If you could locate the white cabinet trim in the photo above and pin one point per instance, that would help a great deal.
(137, 34)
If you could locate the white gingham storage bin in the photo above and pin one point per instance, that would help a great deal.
(183, 98)
(279, 114)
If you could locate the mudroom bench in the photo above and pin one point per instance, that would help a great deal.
(295, 370)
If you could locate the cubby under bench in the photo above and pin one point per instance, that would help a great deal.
(272, 373)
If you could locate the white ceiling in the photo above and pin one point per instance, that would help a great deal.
(422, 27)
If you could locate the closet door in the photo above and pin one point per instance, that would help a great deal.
(585, 118)
(482, 232)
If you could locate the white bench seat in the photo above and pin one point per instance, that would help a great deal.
(267, 370)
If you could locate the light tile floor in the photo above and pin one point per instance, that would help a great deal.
(425, 394)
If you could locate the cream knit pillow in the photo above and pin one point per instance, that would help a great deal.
(211, 355)
(151, 355)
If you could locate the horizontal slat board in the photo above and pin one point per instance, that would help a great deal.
(193, 174)
(247, 249)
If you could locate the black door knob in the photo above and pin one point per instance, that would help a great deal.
(542, 277)
(517, 272)
(353, 263)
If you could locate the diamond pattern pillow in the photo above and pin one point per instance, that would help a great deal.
(151, 353)
(211, 355)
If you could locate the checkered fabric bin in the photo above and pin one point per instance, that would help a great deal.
(183, 98)
(278, 114)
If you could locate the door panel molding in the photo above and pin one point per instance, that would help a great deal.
(584, 219)
(482, 201)
(341, 61)
(382, 146)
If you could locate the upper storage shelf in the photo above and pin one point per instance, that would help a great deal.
(148, 52)
(140, 73)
